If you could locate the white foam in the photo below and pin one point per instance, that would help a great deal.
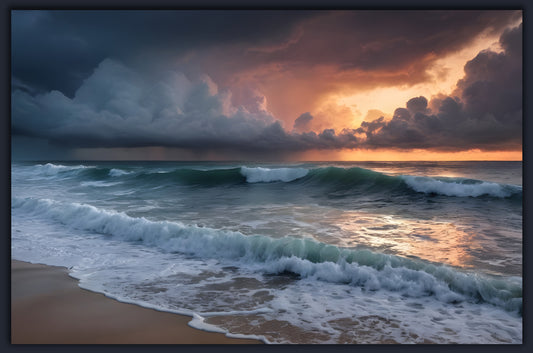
(118, 172)
(371, 271)
(237, 312)
(198, 322)
(266, 175)
(326, 302)
(98, 184)
(50, 169)
(451, 188)
(372, 316)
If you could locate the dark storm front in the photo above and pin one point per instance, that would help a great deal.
(419, 252)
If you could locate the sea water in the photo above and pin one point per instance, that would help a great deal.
(382, 252)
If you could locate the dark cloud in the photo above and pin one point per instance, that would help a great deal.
(348, 52)
(119, 107)
(418, 105)
(493, 81)
(487, 113)
(79, 79)
(302, 122)
(58, 49)
(394, 41)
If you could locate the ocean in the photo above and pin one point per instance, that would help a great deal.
(325, 252)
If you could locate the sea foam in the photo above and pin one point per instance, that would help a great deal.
(117, 172)
(459, 188)
(50, 169)
(302, 256)
(266, 175)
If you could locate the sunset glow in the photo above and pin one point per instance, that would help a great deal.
(359, 85)
(414, 155)
(302, 176)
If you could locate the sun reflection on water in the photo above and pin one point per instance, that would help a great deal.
(429, 240)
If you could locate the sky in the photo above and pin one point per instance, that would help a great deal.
(266, 85)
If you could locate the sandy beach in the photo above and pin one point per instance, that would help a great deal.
(48, 306)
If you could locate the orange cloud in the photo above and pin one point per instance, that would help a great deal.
(364, 59)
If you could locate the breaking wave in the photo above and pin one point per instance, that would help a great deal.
(302, 256)
(360, 179)
(460, 187)
(266, 175)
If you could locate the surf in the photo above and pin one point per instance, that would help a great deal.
(304, 257)
(329, 179)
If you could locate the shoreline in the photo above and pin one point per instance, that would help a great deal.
(48, 307)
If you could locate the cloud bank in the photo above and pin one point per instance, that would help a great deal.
(121, 103)
(485, 114)
(119, 107)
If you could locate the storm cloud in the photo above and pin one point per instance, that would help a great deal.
(119, 107)
(486, 114)
(302, 122)
(59, 49)
(212, 80)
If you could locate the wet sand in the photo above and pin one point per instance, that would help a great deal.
(48, 306)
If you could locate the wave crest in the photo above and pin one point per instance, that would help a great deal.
(340, 179)
(461, 188)
(117, 172)
(304, 257)
(50, 169)
(267, 175)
